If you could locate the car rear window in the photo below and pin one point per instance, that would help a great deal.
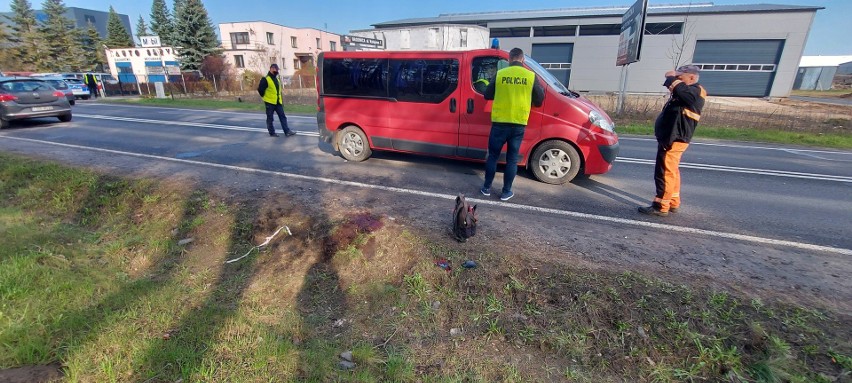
(58, 84)
(23, 86)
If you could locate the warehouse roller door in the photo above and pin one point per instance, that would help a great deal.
(556, 58)
(738, 67)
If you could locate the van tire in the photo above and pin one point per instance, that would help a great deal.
(353, 144)
(554, 162)
(65, 117)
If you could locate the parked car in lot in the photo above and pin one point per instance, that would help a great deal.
(22, 98)
(61, 85)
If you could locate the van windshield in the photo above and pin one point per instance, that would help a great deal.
(548, 78)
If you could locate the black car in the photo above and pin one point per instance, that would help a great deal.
(24, 97)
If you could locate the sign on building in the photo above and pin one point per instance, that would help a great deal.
(149, 41)
(348, 42)
(632, 30)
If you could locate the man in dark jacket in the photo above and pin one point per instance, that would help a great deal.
(674, 128)
(270, 90)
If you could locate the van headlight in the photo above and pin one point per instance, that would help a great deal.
(597, 119)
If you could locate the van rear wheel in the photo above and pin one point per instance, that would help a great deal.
(554, 162)
(353, 144)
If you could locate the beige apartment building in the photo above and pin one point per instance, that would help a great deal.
(255, 45)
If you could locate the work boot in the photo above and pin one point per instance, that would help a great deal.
(651, 210)
(290, 133)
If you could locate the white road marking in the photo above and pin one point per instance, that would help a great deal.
(260, 113)
(732, 169)
(740, 146)
(193, 124)
(573, 214)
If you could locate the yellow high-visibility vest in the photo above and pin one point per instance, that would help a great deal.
(272, 95)
(513, 95)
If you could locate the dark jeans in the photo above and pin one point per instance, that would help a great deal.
(273, 109)
(501, 134)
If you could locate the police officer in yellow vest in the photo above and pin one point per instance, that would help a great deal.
(270, 89)
(514, 91)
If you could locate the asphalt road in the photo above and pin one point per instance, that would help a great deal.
(782, 193)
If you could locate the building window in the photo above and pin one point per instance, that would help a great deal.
(663, 28)
(463, 37)
(293, 42)
(737, 67)
(238, 61)
(405, 39)
(555, 30)
(332, 46)
(319, 43)
(297, 64)
(510, 32)
(239, 38)
(270, 38)
(89, 19)
(433, 38)
(600, 30)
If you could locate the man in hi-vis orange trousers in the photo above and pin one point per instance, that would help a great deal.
(674, 128)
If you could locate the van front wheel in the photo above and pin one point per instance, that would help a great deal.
(555, 162)
(353, 144)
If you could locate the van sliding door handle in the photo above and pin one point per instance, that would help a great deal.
(470, 106)
(452, 105)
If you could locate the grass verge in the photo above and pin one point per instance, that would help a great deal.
(209, 104)
(839, 141)
(832, 93)
(124, 280)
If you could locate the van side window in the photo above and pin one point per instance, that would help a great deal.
(355, 77)
(484, 71)
(427, 81)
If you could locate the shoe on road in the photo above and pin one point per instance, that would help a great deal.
(650, 210)
(485, 191)
(290, 133)
(507, 196)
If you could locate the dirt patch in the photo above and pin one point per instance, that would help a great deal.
(32, 374)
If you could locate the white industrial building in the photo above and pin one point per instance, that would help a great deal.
(744, 50)
(817, 72)
(447, 37)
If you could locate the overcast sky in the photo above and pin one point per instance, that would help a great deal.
(829, 34)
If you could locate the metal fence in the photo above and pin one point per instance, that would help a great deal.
(196, 85)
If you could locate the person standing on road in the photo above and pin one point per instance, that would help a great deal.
(92, 83)
(674, 128)
(514, 91)
(270, 90)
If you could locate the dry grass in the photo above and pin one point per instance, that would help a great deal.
(746, 113)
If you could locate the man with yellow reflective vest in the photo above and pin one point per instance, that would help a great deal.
(674, 128)
(270, 90)
(514, 91)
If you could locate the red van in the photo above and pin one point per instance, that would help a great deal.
(432, 103)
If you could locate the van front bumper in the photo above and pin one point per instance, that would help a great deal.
(609, 152)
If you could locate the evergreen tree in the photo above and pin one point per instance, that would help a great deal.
(93, 53)
(141, 27)
(117, 36)
(24, 36)
(161, 22)
(5, 47)
(194, 34)
(60, 39)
